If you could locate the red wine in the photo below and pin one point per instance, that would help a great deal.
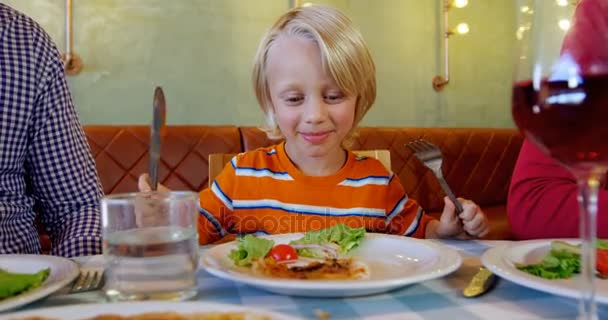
(568, 122)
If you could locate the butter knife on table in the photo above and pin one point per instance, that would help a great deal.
(159, 112)
(483, 281)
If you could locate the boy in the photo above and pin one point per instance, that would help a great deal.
(314, 80)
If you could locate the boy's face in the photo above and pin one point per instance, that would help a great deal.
(313, 114)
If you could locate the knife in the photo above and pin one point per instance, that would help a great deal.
(159, 113)
(482, 282)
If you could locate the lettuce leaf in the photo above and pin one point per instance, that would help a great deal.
(340, 237)
(557, 264)
(14, 283)
(250, 248)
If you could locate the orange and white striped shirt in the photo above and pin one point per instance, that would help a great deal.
(263, 191)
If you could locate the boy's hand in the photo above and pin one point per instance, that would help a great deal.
(148, 211)
(470, 223)
(143, 184)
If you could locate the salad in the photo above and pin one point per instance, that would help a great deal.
(563, 261)
(318, 254)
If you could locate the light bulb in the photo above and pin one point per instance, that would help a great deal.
(460, 3)
(525, 9)
(462, 28)
(520, 33)
(564, 24)
(562, 3)
(307, 4)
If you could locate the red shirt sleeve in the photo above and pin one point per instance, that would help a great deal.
(543, 199)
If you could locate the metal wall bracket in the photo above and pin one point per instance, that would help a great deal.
(71, 61)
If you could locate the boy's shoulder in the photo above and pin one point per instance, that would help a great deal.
(263, 155)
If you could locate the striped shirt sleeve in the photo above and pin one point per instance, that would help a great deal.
(216, 212)
(403, 215)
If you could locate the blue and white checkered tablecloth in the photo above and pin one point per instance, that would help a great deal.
(435, 299)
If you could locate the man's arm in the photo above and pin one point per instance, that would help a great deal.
(543, 198)
(61, 171)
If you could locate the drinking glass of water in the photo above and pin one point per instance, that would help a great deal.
(150, 245)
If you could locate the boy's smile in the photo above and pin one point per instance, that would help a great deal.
(315, 137)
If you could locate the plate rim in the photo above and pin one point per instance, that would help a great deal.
(444, 253)
(494, 259)
(121, 308)
(45, 289)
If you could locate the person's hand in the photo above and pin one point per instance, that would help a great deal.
(144, 184)
(149, 211)
(470, 223)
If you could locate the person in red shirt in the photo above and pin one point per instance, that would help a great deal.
(542, 201)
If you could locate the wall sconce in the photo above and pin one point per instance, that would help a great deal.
(563, 3)
(71, 61)
(439, 82)
(298, 3)
(564, 24)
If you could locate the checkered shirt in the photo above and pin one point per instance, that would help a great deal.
(46, 165)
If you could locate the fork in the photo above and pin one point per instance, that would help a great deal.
(430, 155)
(88, 280)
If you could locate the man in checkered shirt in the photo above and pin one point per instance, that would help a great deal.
(46, 165)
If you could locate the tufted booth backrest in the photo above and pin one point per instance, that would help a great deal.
(121, 154)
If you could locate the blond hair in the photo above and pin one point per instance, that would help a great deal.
(344, 55)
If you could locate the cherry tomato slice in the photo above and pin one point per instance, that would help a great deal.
(283, 252)
(602, 261)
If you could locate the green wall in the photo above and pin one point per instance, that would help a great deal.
(200, 51)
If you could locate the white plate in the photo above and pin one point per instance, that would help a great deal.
(63, 271)
(502, 259)
(394, 262)
(83, 311)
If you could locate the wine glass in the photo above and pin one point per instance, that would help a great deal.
(560, 103)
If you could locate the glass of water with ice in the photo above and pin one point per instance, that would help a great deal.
(150, 245)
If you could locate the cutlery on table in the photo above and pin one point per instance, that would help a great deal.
(88, 280)
(483, 281)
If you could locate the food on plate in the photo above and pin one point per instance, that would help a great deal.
(321, 254)
(12, 283)
(176, 316)
(328, 269)
(563, 261)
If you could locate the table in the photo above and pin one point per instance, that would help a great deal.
(435, 299)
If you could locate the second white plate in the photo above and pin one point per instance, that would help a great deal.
(502, 259)
(394, 262)
(63, 271)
